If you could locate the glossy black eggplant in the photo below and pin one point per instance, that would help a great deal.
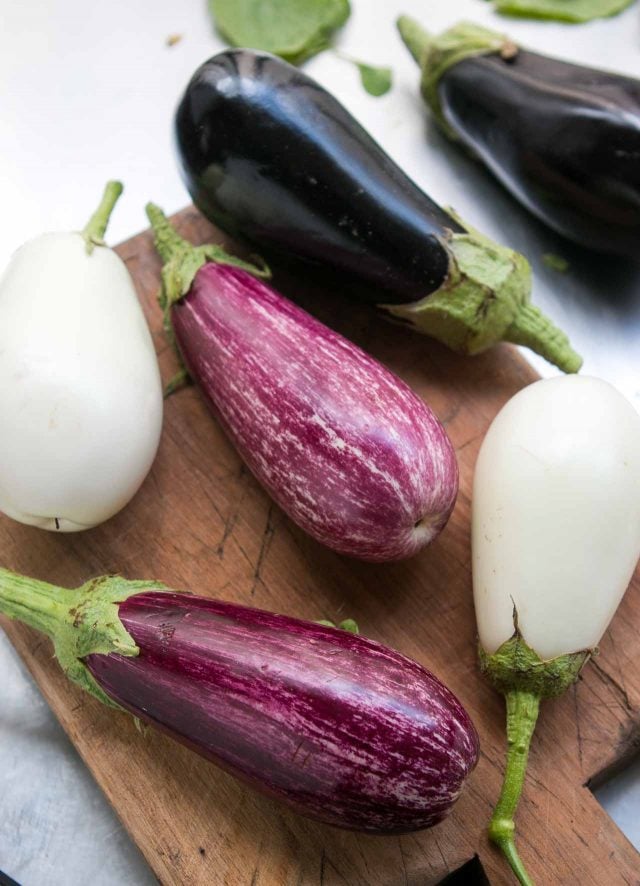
(270, 155)
(563, 139)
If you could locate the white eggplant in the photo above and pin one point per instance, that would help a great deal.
(555, 538)
(81, 397)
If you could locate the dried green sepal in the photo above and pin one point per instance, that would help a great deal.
(517, 667)
(93, 626)
(484, 300)
(181, 262)
(436, 55)
(80, 622)
(524, 678)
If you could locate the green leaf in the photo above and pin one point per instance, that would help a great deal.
(349, 625)
(555, 262)
(575, 11)
(293, 29)
(376, 81)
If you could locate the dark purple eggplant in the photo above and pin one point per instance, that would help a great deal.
(269, 155)
(341, 728)
(563, 139)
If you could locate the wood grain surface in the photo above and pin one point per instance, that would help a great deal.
(201, 522)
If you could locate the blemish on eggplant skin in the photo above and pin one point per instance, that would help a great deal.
(166, 633)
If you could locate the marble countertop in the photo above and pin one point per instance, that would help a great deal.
(88, 94)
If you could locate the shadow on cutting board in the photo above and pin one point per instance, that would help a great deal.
(470, 874)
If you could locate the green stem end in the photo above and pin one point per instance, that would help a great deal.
(168, 242)
(414, 36)
(531, 328)
(484, 300)
(524, 678)
(182, 260)
(522, 715)
(80, 622)
(96, 227)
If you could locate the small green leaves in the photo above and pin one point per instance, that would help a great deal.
(573, 11)
(293, 29)
(376, 81)
(555, 262)
(348, 624)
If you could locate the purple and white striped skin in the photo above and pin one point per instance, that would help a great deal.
(341, 728)
(344, 446)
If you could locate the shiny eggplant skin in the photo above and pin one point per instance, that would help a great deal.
(243, 126)
(269, 155)
(341, 728)
(563, 139)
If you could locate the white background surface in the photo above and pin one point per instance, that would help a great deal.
(88, 91)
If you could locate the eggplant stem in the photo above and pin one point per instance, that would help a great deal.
(95, 229)
(414, 37)
(36, 603)
(522, 715)
(80, 621)
(180, 380)
(533, 330)
(168, 241)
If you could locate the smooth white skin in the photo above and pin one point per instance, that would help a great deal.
(556, 515)
(81, 397)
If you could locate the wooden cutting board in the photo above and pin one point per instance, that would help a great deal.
(201, 522)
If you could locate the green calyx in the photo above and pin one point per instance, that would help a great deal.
(486, 299)
(515, 666)
(182, 261)
(524, 678)
(80, 622)
(436, 55)
(95, 229)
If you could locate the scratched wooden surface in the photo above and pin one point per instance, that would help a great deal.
(202, 522)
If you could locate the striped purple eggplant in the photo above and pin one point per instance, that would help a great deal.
(341, 728)
(342, 445)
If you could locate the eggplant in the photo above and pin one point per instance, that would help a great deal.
(555, 542)
(269, 155)
(341, 728)
(345, 447)
(79, 430)
(562, 138)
